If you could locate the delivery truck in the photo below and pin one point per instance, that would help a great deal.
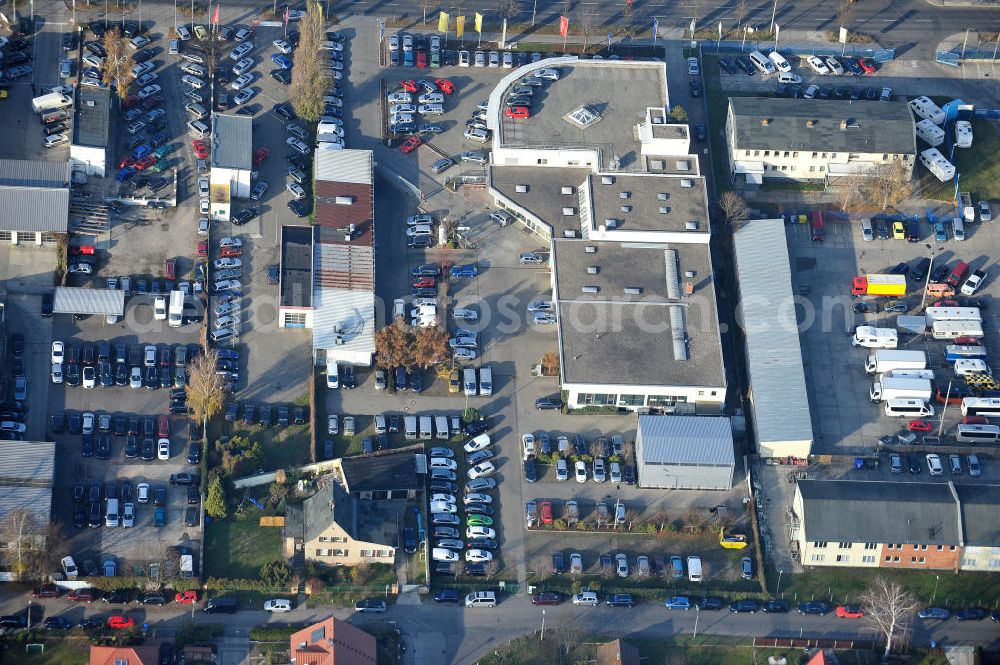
(876, 284)
(888, 361)
(911, 325)
(952, 314)
(893, 388)
(875, 338)
(51, 102)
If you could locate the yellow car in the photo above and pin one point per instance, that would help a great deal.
(454, 382)
(898, 232)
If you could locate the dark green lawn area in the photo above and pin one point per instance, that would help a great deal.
(978, 167)
(238, 548)
(71, 651)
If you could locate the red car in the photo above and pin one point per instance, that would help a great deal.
(170, 272)
(200, 149)
(230, 252)
(145, 162)
(545, 512)
(866, 65)
(85, 250)
(152, 103)
(186, 597)
(421, 58)
(131, 101)
(945, 303)
(202, 248)
(849, 612)
(966, 340)
(45, 591)
(86, 595)
(260, 155)
(411, 144)
(424, 283)
(125, 162)
(546, 598)
(445, 86)
(118, 622)
(409, 85)
(518, 112)
(919, 426)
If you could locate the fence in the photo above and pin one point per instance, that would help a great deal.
(805, 49)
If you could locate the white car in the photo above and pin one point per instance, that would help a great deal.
(163, 449)
(194, 69)
(779, 62)
(333, 424)
(477, 497)
(183, 33)
(244, 96)
(481, 442)
(562, 469)
(135, 378)
(278, 605)
(581, 471)
(431, 98)
(296, 190)
(970, 287)
(548, 74)
(440, 496)
(58, 352)
(431, 109)
(693, 69)
(241, 50)
(540, 306)
(128, 515)
(464, 354)
(810, 91)
(480, 532)
(203, 206)
(293, 142)
(193, 82)
(443, 507)
(817, 65)
(228, 262)
(399, 98)
(202, 186)
(444, 554)
(57, 373)
(443, 463)
(481, 470)
(402, 108)
(281, 46)
(142, 492)
(494, 59)
(228, 242)
(54, 140)
(478, 556)
(69, 567)
(463, 314)
(543, 318)
(464, 58)
(243, 66)
(242, 81)
(142, 68)
(332, 46)
(160, 309)
(480, 59)
(599, 473)
(149, 91)
(835, 67)
(228, 285)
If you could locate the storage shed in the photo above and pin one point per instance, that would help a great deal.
(685, 452)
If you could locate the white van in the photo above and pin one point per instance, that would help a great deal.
(485, 381)
(694, 569)
(908, 408)
(441, 430)
(875, 338)
(469, 382)
(958, 228)
(111, 513)
(586, 598)
(481, 599)
(332, 375)
(789, 78)
(477, 135)
(781, 64)
(410, 427)
(174, 47)
(426, 427)
(398, 308)
(762, 62)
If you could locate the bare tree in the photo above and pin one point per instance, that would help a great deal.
(734, 208)
(206, 388)
(891, 182)
(492, 568)
(678, 113)
(588, 18)
(851, 191)
(118, 63)
(24, 537)
(845, 13)
(741, 10)
(627, 10)
(890, 608)
(428, 4)
(628, 450)
(310, 80)
(509, 8)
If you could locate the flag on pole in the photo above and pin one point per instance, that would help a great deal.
(777, 29)
(443, 19)
(609, 40)
(459, 26)
(720, 30)
(563, 26)
(215, 16)
(479, 23)
(843, 35)
(286, 18)
(656, 26)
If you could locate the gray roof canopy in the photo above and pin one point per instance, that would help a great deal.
(73, 300)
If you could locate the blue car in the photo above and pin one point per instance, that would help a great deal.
(281, 60)
(125, 173)
(468, 270)
(160, 137)
(408, 59)
(141, 151)
(400, 378)
(940, 235)
(678, 603)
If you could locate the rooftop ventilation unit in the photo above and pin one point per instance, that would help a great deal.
(849, 123)
(656, 165)
(567, 191)
(664, 210)
(590, 289)
(593, 270)
(632, 291)
(626, 208)
(583, 117)
(689, 274)
(673, 280)
(624, 195)
(344, 200)
(590, 249)
(690, 226)
(569, 233)
(569, 212)
(662, 196)
(521, 189)
(765, 121)
(687, 183)
(683, 165)
(611, 223)
(810, 123)
(678, 332)
(607, 180)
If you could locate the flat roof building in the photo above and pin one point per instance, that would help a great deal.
(685, 452)
(610, 184)
(88, 151)
(27, 470)
(231, 162)
(816, 139)
(780, 415)
(295, 277)
(35, 198)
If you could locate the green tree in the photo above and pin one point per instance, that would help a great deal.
(310, 80)
(215, 502)
(678, 113)
(275, 573)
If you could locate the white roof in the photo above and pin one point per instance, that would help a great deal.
(344, 166)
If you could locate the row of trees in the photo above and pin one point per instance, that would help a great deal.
(310, 79)
(401, 345)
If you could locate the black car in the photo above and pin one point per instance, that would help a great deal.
(151, 378)
(103, 447)
(143, 55)
(476, 569)
(284, 111)
(446, 596)
(183, 479)
(940, 272)
(194, 453)
(394, 422)
(746, 64)
(131, 446)
(530, 470)
(283, 416)
(93, 622)
(970, 614)
(477, 427)
(232, 410)
(148, 449)
(95, 514)
(126, 491)
(133, 425)
(152, 598)
(299, 207)
(244, 216)
(281, 76)
(775, 607)
(79, 492)
(443, 486)
(265, 416)
(111, 489)
(47, 300)
(57, 422)
(628, 472)
(911, 230)
(400, 378)
(710, 603)
(548, 403)
(919, 271)
(620, 600)
(882, 230)
(416, 382)
(348, 381)
(914, 464)
(159, 495)
(728, 65)
(87, 445)
(191, 517)
(694, 86)
(75, 423)
(13, 621)
(478, 509)
(741, 606)
(813, 607)
(299, 415)
(118, 597)
(901, 268)
(79, 516)
(248, 414)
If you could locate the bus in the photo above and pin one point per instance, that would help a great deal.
(981, 406)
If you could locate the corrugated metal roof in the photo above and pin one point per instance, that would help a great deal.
(34, 209)
(704, 440)
(349, 315)
(26, 472)
(232, 141)
(76, 300)
(344, 266)
(33, 173)
(353, 166)
(774, 354)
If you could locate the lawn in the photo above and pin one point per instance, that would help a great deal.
(71, 651)
(284, 447)
(238, 548)
(978, 167)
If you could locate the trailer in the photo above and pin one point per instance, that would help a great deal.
(911, 325)
(888, 361)
(963, 134)
(952, 314)
(935, 162)
(930, 133)
(875, 284)
(908, 374)
(894, 388)
(968, 210)
(925, 108)
(953, 329)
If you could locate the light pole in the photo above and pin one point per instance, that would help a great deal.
(965, 41)
(542, 638)
(937, 578)
(774, 12)
(697, 615)
(533, 8)
(778, 590)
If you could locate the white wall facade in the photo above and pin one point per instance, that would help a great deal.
(237, 179)
(89, 160)
(985, 559)
(560, 157)
(636, 397)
